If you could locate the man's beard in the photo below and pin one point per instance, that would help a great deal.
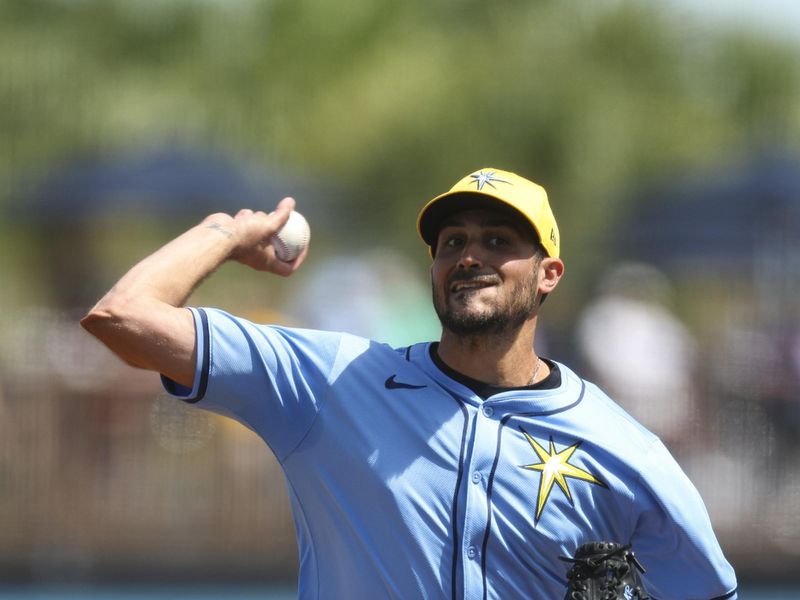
(508, 314)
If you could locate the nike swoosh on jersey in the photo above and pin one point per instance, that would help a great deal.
(391, 384)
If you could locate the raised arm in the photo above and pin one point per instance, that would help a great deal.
(141, 318)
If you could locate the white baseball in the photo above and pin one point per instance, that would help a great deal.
(292, 238)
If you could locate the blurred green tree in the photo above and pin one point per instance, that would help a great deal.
(395, 100)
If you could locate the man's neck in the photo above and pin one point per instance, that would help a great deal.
(507, 359)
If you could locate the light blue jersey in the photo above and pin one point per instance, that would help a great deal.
(405, 484)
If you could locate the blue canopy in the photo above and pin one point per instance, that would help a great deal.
(167, 183)
(721, 218)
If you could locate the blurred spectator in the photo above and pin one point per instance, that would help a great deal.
(783, 393)
(639, 352)
(755, 370)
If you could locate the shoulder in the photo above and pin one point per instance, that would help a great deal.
(221, 321)
(232, 331)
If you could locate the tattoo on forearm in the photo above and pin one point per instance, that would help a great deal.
(221, 229)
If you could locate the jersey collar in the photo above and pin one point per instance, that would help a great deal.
(532, 401)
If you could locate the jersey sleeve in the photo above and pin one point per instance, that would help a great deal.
(271, 379)
(673, 537)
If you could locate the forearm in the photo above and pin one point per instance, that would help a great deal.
(139, 319)
(172, 273)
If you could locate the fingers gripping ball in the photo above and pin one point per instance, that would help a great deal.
(292, 238)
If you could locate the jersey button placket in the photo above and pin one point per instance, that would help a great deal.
(476, 510)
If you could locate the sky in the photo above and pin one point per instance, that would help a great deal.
(777, 17)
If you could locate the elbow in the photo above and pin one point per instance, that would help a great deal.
(116, 325)
(98, 314)
(110, 314)
(102, 314)
(94, 321)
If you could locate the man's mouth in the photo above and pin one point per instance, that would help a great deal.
(475, 283)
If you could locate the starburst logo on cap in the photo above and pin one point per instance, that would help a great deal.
(482, 178)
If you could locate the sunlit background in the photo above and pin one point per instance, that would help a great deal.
(667, 134)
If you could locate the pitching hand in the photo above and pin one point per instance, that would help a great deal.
(251, 231)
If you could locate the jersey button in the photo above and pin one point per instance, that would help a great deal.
(488, 411)
(472, 552)
(476, 477)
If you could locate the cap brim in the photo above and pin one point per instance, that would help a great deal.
(438, 209)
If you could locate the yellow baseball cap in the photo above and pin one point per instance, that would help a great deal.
(488, 187)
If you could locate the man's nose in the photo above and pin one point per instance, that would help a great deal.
(470, 256)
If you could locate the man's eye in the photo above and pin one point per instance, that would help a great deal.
(453, 242)
(497, 240)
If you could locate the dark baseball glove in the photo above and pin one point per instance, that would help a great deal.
(604, 571)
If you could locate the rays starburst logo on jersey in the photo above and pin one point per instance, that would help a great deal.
(554, 467)
(482, 178)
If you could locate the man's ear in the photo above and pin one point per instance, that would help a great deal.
(551, 270)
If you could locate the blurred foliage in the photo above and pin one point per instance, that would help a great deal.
(397, 100)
